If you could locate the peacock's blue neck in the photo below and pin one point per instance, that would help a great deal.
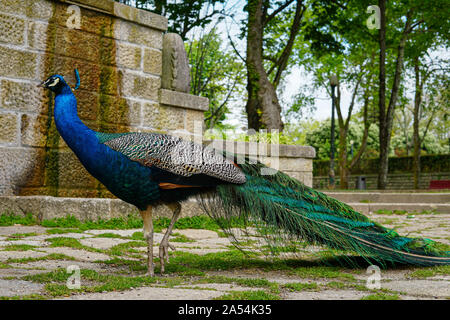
(74, 132)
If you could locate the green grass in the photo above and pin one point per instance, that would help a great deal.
(126, 248)
(19, 247)
(185, 263)
(381, 296)
(221, 234)
(300, 286)
(246, 282)
(430, 272)
(133, 265)
(57, 290)
(70, 243)
(249, 295)
(433, 211)
(196, 222)
(8, 219)
(63, 230)
(345, 286)
(129, 222)
(132, 221)
(25, 297)
(119, 283)
(5, 266)
(17, 236)
(232, 259)
(319, 272)
(277, 250)
(93, 281)
(180, 238)
(391, 212)
(52, 256)
(58, 275)
(389, 221)
(55, 282)
(65, 242)
(273, 287)
(137, 236)
(337, 285)
(404, 212)
(109, 235)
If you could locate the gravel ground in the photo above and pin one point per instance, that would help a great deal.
(16, 263)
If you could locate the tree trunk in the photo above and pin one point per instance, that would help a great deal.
(382, 174)
(263, 108)
(416, 137)
(355, 160)
(343, 173)
(343, 131)
(160, 5)
(285, 54)
(386, 118)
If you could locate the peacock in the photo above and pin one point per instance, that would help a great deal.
(154, 169)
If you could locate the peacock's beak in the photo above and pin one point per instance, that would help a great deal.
(41, 85)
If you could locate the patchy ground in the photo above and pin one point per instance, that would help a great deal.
(35, 259)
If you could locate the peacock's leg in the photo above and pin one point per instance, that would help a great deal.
(148, 235)
(164, 246)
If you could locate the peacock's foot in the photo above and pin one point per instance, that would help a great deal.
(164, 253)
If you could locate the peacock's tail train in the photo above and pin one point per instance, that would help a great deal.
(283, 208)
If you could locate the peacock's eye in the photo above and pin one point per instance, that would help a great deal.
(52, 82)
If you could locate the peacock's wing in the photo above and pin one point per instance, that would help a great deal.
(173, 154)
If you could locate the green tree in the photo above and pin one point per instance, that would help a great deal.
(353, 63)
(319, 138)
(430, 144)
(433, 80)
(263, 107)
(340, 25)
(403, 23)
(182, 16)
(217, 74)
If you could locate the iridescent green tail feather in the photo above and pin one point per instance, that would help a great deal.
(284, 208)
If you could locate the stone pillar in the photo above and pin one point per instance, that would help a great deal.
(176, 76)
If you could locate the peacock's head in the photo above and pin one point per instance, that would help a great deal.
(54, 83)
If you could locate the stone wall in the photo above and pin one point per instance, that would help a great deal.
(118, 51)
(134, 77)
(293, 160)
(395, 181)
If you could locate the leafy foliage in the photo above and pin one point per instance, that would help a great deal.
(217, 74)
(320, 138)
(183, 16)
